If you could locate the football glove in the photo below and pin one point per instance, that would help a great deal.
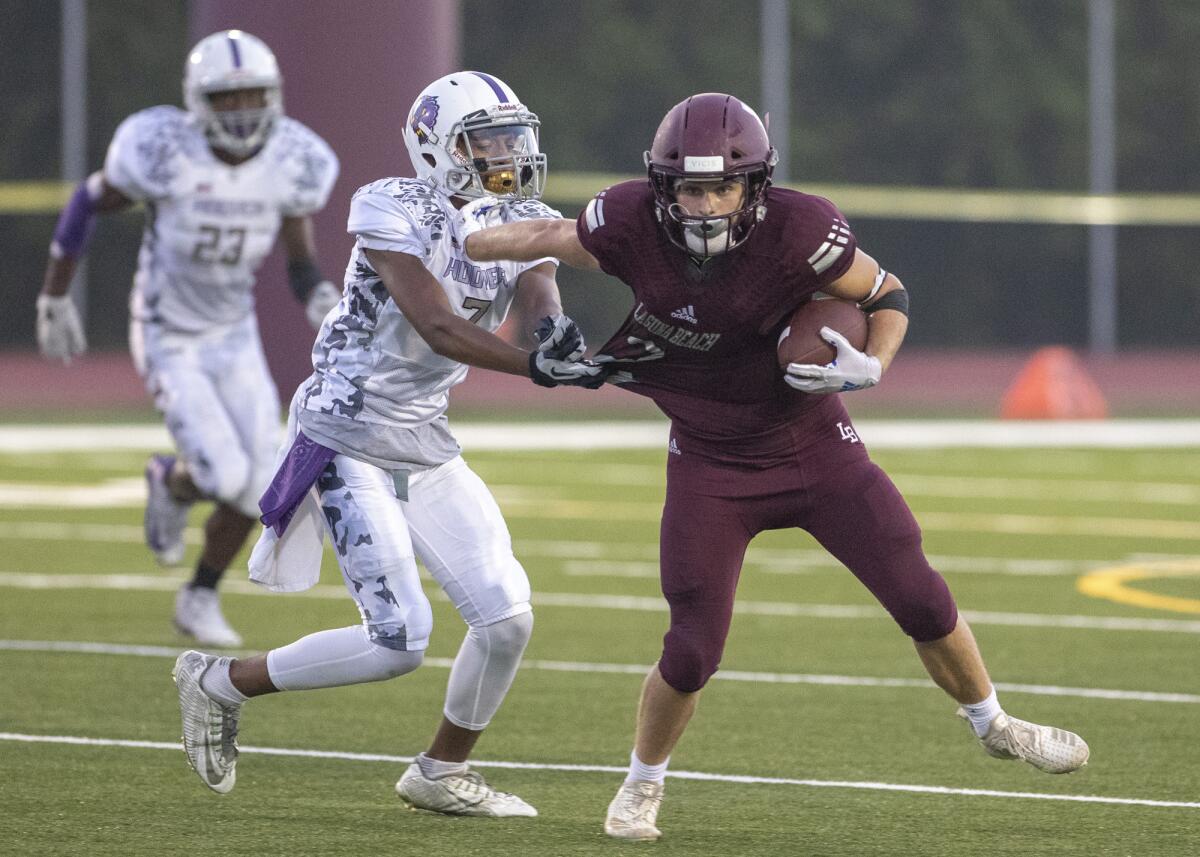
(850, 370)
(559, 338)
(324, 297)
(548, 372)
(59, 330)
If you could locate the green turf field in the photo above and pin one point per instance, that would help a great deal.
(819, 736)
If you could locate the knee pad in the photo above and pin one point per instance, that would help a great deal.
(924, 610)
(687, 663)
(391, 663)
(484, 670)
(224, 477)
(508, 637)
(259, 478)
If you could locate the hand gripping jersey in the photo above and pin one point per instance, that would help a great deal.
(371, 366)
(209, 225)
(718, 325)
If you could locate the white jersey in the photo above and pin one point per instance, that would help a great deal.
(209, 225)
(371, 365)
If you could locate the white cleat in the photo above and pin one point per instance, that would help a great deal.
(1047, 748)
(459, 794)
(634, 810)
(209, 728)
(198, 614)
(165, 517)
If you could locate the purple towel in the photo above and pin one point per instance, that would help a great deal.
(300, 469)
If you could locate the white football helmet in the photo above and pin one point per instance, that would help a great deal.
(227, 61)
(469, 135)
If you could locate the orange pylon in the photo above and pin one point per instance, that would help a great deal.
(1053, 385)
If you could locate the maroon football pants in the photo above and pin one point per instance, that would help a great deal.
(827, 485)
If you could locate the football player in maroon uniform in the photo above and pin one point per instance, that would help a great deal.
(717, 260)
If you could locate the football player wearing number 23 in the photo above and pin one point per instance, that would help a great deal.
(219, 181)
(717, 260)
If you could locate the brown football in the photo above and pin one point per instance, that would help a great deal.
(801, 342)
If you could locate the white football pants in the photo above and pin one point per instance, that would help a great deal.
(220, 404)
(452, 523)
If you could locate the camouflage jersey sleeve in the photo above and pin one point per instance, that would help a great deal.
(307, 168)
(143, 160)
(382, 217)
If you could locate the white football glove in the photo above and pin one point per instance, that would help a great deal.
(324, 297)
(559, 337)
(850, 370)
(59, 330)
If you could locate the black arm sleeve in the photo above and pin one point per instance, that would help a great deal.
(896, 299)
(303, 277)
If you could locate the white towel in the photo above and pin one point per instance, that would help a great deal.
(291, 562)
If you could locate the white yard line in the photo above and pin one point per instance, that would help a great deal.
(75, 740)
(168, 583)
(626, 558)
(878, 434)
(129, 650)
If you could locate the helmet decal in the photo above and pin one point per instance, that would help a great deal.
(424, 118)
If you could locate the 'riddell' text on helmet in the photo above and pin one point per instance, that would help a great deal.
(227, 61)
(470, 136)
(710, 137)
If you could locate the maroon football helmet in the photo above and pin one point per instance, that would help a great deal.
(710, 137)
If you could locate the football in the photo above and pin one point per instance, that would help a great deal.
(801, 342)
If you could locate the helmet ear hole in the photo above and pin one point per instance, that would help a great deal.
(429, 159)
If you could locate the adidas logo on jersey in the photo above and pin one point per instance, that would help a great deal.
(685, 313)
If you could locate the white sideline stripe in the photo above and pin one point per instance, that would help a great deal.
(517, 501)
(130, 650)
(587, 558)
(645, 434)
(1081, 490)
(169, 583)
(612, 769)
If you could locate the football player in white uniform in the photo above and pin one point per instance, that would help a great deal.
(218, 181)
(370, 446)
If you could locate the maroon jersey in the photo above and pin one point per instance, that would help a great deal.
(718, 324)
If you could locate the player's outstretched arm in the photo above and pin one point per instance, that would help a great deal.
(317, 294)
(59, 330)
(528, 240)
(424, 303)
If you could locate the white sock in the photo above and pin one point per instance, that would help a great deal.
(434, 768)
(983, 713)
(216, 683)
(639, 770)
